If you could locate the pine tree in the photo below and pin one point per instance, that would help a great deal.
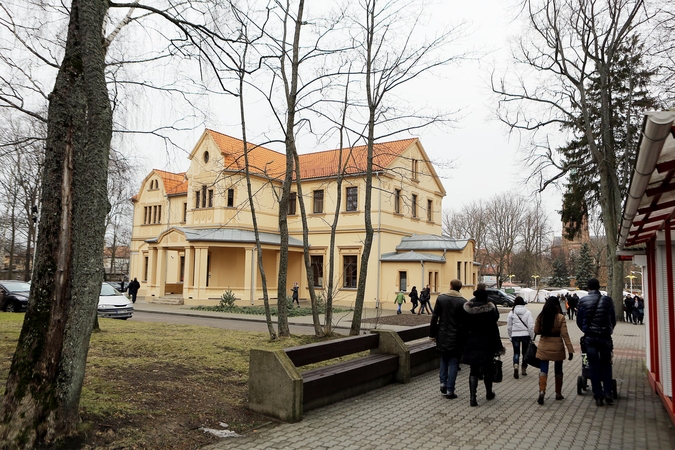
(560, 273)
(629, 82)
(584, 267)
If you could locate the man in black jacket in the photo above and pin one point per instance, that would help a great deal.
(596, 318)
(446, 327)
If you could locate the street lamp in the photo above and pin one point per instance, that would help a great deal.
(535, 281)
(630, 277)
(510, 277)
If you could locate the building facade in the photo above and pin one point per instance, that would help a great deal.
(193, 236)
(647, 236)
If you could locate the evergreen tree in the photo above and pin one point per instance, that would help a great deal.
(584, 267)
(629, 80)
(561, 276)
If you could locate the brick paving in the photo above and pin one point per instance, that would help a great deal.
(416, 416)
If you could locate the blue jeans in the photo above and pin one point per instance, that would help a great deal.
(599, 354)
(557, 367)
(448, 374)
(519, 342)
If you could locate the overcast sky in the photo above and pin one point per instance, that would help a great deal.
(487, 160)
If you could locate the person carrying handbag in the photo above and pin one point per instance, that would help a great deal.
(552, 328)
(520, 325)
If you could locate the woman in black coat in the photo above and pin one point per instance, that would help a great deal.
(482, 341)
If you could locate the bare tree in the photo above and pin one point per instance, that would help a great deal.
(392, 58)
(571, 42)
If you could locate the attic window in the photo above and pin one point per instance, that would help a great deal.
(206, 157)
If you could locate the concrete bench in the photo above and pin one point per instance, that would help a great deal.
(278, 388)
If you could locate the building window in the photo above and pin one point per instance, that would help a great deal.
(459, 271)
(154, 214)
(203, 196)
(146, 269)
(206, 157)
(318, 202)
(413, 207)
(402, 281)
(430, 210)
(397, 201)
(352, 198)
(317, 270)
(210, 201)
(159, 214)
(198, 196)
(184, 212)
(349, 271)
(230, 198)
(292, 199)
(415, 167)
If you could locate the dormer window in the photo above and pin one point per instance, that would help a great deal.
(154, 184)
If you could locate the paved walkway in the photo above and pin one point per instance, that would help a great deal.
(416, 416)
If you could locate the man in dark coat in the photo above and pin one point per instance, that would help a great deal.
(482, 341)
(133, 288)
(596, 319)
(447, 328)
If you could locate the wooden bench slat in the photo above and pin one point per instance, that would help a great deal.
(329, 380)
(323, 351)
(413, 333)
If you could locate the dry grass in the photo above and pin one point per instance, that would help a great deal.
(152, 385)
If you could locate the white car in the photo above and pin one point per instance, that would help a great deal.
(113, 304)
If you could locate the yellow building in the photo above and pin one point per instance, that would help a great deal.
(193, 236)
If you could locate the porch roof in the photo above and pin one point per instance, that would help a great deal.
(411, 256)
(229, 235)
(431, 242)
(651, 196)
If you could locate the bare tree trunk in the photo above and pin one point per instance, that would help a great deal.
(318, 331)
(42, 396)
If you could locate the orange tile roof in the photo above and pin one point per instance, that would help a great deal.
(312, 165)
(174, 183)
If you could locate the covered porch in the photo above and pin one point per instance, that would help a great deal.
(198, 265)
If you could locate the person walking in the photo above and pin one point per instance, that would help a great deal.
(295, 290)
(640, 308)
(425, 301)
(573, 301)
(552, 328)
(133, 288)
(483, 342)
(520, 326)
(628, 307)
(447, 327)
(596, 319)
(562, 300)
(414, 299)
(400, 299)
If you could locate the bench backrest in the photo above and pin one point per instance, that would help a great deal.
(413, 333)
(322, 351)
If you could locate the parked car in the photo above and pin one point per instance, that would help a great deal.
(500, 298)
(113, 304)
(14, 295)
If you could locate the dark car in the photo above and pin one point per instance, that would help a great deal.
(500, 298)
(14, 295)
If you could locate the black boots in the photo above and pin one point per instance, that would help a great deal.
(515, 371)
(489, 394)
(473, 387)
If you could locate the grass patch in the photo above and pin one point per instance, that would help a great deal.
(150, 384)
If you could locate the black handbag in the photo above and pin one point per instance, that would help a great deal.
(531, 355)
(497, 373)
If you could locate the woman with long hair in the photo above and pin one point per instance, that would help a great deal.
(520, 326)
(552, 328)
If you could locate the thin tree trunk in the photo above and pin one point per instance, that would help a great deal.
(41, 402)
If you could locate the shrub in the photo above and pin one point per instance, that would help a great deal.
(227, 299)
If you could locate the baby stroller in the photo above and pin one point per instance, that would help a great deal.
(582, 380)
